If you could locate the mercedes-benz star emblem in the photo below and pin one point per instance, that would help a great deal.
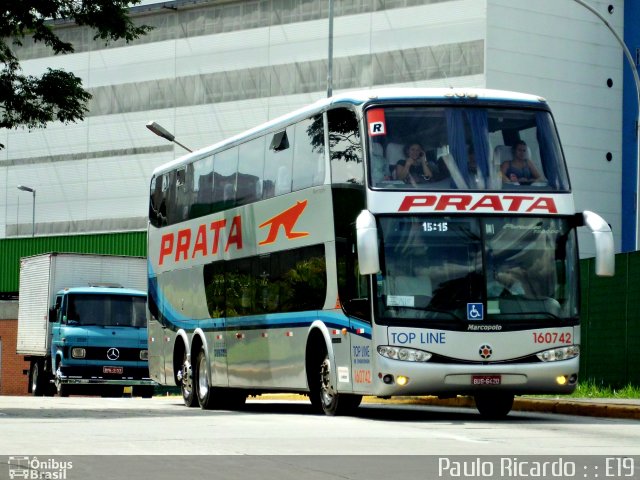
(113, 354)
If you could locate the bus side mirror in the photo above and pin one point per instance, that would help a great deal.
(605, 251)
(367, 243)
(53, 314)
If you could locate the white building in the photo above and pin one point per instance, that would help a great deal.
(211, 69)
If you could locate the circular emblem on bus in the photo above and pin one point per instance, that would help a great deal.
(113, 353)
(485, 351)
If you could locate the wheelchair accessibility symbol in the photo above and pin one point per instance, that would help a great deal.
(475, 311)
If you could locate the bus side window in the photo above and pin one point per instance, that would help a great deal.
(225, 168)
(170, 198)
(353, 288)
(345, 147)
(277, 165)
(250, 170)
(156, 202)
(308, 164)
(203, 186)
(184, 191)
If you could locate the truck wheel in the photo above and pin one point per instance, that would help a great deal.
(38, 377)
(63, 390)
(145, 391)
(494, 406)
(323, 393)
(112, 391)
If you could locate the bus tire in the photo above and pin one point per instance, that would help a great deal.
(203, 391)
(323, 393)
(494, 406)
(186, 384)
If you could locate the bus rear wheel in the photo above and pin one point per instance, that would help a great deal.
(186, 384)
(204, 392)
(324, 395)
(214, 397)
(494, 406)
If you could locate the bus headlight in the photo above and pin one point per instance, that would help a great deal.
(556, 354)
(144, 355)
(404, 354)
(78, 352)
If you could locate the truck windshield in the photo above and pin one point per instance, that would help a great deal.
(469, 270)
(106, 310)
(464, 148)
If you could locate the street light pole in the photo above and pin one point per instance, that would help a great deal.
(33, 213)
(636, 79)
(164, 133)
(330, 53)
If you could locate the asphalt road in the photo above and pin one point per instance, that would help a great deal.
(417, 436)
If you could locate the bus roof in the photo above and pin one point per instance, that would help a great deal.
(359, 97)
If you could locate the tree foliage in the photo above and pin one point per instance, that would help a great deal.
(32, 101)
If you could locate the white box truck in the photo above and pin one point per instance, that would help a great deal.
(82, 324)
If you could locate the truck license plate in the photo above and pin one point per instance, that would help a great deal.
(486, 379)
(112, 370)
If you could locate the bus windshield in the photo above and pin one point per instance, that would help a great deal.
(470, 148)
(453, 270)
(106, 310)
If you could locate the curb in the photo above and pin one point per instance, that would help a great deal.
(565, 407)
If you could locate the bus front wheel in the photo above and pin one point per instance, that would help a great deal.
(494, 405)
(324, 395)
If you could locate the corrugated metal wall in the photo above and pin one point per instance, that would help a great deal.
(12, 249)
(611, 323)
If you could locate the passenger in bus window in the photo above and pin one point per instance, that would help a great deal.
(413, 169)
(519, 170)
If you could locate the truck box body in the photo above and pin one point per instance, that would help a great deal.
(42, 276)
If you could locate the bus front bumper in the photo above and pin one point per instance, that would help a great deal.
(459, 379)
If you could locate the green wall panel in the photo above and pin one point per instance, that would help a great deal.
(12, 249)
(605, 322)
(633, 320)
(610, 343)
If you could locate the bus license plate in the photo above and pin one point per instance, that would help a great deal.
(112, 370)
(486, 379)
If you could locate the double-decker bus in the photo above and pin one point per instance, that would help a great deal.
(311, 254)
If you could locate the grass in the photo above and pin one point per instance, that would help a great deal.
(591, 389)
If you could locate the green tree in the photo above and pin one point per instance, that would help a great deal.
(31, 101)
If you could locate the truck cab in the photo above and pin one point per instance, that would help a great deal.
(99, 341)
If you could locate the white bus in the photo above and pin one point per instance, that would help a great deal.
(318, 254)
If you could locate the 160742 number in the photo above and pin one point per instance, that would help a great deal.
(552, 337)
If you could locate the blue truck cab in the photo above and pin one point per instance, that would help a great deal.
(99, 341)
